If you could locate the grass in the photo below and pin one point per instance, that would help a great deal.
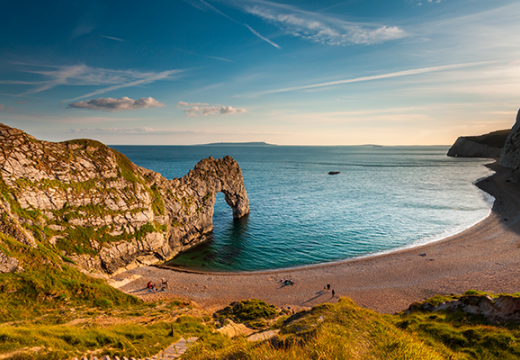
(495, 139)
(130, 340)
(253, 313)
(328, 331)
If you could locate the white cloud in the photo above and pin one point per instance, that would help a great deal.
(182, 103)
(375, 77)
(321, 28)
(197, 111)
(113, 38)
(81, 75)
(111, 104)
(262, 37)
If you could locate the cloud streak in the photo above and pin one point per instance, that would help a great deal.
(201, 109)
(376, 77)
(113, 38)
(182, 103)
(113, 105)
(324, 29)
(81, 75)
(262, 37)
(204, 6)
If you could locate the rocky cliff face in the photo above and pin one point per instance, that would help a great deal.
(464, 147)
(510, 156)
(505, 308)
(100, 210)
(484, 146)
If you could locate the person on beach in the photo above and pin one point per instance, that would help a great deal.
(333, 293)
(164, 284)
(149, 285)
(328, 286)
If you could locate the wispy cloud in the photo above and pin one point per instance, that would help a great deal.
(262, 37)
(182, 103)
(155, 131)
(201, 109)
(219, 58)
(113, 38)
(318, 27)
(375, 77)
(3, 108)
(324, 29)
(81, 75)
(111, 104)
(204, 6)
(125, 130)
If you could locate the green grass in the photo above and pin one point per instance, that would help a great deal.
(253, 313)
(328, 331)
(130, 340)
(495, 139)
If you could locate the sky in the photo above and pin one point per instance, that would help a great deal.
(307, 72)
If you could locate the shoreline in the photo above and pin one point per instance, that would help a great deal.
(417, 244)
(386, 282)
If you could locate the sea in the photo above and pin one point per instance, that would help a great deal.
(383, 199)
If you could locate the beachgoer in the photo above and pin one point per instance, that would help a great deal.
(333, 292)
(164, 284)
(328, 286)
(149, 285)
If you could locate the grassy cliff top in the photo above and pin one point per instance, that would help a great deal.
(496, 139)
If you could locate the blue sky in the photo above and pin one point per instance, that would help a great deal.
(402, 72)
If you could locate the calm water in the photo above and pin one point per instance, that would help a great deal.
(384, 198)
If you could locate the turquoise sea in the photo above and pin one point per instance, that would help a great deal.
(384, 198)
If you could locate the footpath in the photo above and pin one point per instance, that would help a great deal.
(171, 352)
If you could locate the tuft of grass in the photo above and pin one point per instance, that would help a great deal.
(253, 313)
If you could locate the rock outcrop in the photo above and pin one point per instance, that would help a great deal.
(510, 156)
(100, 210)
(505, 308)
(484, 146)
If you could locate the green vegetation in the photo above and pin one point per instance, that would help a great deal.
(495, 139)
(54, 308)
(469, 336)
(328, 331)
(126, 339)
(253, 313)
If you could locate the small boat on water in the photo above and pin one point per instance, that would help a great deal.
(333, 172)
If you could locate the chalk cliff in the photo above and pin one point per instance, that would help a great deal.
(484, 146)
(510, 156)
(100, 210)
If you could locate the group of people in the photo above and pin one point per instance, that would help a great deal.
(286, 282)
(328, 288)
(152, 288)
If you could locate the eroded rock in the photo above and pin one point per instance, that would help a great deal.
(505, 308)
(102, 211)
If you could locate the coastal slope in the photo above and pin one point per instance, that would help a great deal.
(485, 146)
(100, 210)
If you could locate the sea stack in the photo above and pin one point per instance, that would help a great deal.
(99, 209)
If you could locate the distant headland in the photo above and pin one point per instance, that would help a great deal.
(252, 143)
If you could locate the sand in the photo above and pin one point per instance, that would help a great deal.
(484, 257)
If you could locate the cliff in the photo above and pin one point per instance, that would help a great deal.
(510, 156)
(99, 210)
(486, 146)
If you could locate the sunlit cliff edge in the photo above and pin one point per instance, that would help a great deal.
(100, 210)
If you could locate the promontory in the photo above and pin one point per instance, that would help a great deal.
(99, 209)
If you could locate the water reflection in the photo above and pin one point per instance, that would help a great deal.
(223, 248)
